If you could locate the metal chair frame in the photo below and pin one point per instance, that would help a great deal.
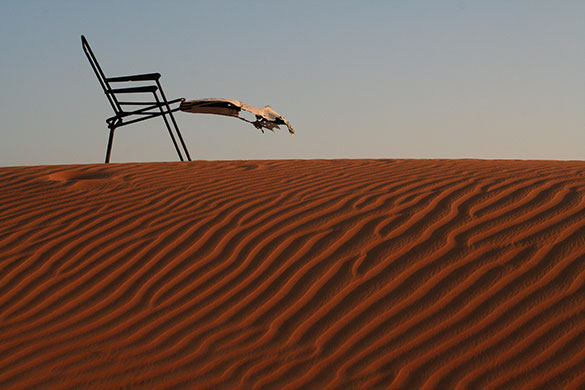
(151, 109)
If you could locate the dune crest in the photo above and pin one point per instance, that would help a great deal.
(293, 274)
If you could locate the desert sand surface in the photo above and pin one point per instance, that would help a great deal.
(293, 274)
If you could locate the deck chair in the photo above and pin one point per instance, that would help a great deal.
(141, 109)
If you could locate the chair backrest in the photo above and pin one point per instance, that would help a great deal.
(100, 76)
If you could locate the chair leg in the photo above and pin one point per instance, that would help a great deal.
(168, 127)
(162, 93)
(179, 133)
(110, 141)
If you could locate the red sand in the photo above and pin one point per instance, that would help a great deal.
(341, 274)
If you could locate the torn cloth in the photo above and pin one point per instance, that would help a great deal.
(265, 117)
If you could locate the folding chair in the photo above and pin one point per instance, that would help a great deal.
(143, 110)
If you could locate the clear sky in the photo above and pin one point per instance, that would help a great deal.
(380, 79)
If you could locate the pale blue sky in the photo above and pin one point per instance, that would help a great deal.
(391, 79)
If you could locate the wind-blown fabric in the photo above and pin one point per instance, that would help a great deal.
(266, 118)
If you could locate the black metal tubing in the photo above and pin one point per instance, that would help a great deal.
(152, 115)
(173, 119)
(99, 73)
(141, 89)
(142, 103)
(168, 127)
(134, 77)
(110, 142)
(141, 111)
(163, 105)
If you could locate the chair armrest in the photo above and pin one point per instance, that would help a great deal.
(135, 77)
(148, 88)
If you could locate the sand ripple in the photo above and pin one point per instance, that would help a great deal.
(315, 274)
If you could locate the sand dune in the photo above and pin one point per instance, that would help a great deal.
(307, 274)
